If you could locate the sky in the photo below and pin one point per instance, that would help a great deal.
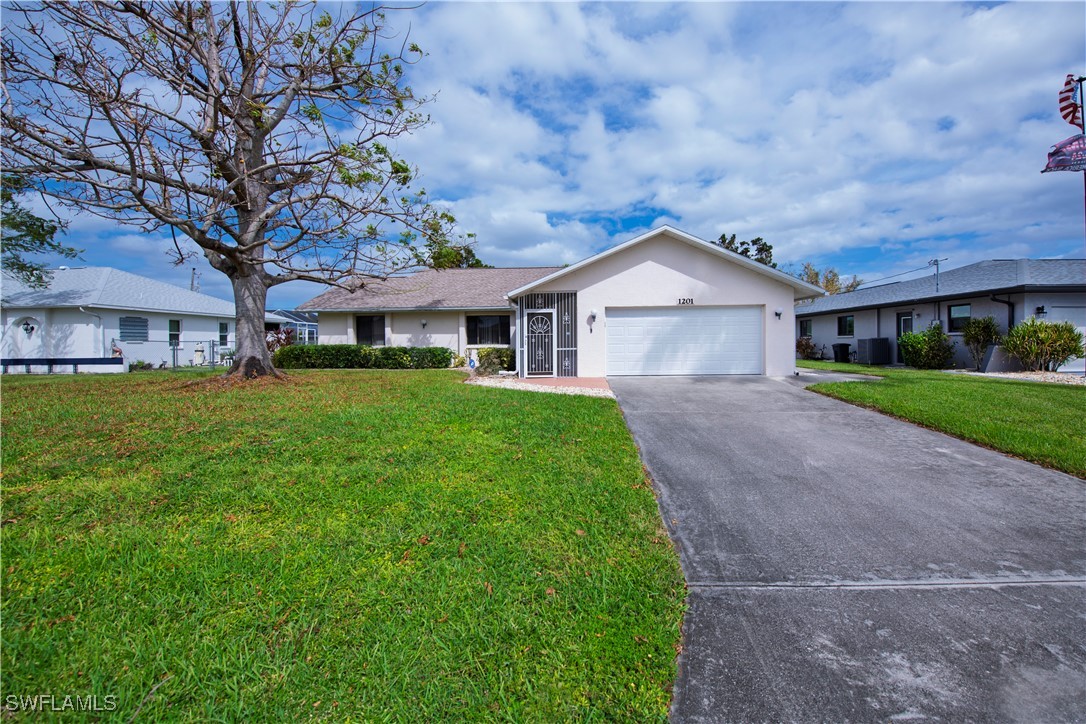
(871, 137)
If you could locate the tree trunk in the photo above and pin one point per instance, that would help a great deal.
(251, 358)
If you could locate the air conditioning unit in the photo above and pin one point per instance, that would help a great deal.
(873, 351)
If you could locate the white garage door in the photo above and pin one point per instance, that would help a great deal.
(1077, 317)
(685, 341)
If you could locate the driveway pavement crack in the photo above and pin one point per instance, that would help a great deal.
(892, 585)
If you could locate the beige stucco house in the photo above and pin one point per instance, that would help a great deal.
(663, 303)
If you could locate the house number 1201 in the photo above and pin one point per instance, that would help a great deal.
(685, 300)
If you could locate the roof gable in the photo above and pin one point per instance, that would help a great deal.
(803, 290)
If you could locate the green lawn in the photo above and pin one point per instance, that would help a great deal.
(366, 545)
(1043, 423)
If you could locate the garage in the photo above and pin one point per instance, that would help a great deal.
(1076, 315)
(663, 303)
(685, 341)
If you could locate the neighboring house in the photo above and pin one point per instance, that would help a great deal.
(1009, 290)
(89, 313)
(663, 303)
(304, 324)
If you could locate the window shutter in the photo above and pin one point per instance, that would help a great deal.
(133, 329)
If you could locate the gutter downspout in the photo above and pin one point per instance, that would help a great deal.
(101, 331)
(1010, 310)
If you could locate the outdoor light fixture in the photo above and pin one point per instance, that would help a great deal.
(592, 315)
(1041, 311)
(424, 324)
(778, 311)
(28, 327)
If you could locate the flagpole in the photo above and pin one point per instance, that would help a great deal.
(1082, 123)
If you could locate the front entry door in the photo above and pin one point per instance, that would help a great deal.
(540, 343)
(904, 326)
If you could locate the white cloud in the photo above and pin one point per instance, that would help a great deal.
(824, 128)
(869, 136)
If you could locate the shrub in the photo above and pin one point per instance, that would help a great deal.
(1040, 345)
(928, 350)
(805, 348)
(321, 356)
(459, 361)
(276, 339)
(493, 359)
(355, 356)
(389, 358)
(430, 358)
(977, 334)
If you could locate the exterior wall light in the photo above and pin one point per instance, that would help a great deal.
(28, 328)
(1041, 311)
(424, 323)
(778, 311)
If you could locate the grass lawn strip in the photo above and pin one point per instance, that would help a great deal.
(1039, 422)
(390, 545)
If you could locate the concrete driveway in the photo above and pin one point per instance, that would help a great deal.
(845, 566)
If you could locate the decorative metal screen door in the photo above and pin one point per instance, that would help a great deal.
(540, 343)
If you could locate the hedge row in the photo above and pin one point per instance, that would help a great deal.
(356, 356)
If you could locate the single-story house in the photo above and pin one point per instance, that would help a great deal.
(303, 324)
(98, 319)
(663, 303)
(1009, 290)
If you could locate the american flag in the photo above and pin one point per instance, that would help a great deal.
(1069, 106)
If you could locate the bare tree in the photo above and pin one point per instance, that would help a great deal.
(829, 279)
(259, 131)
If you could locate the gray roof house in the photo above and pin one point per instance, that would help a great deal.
(91, 312)
(1007, 289)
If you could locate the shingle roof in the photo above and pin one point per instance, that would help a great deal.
(432, 289)
(109, 288)
(986, 277)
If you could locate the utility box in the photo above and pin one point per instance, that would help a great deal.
(873, 351)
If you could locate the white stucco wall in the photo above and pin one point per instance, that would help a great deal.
(335, 328)
(64, 332)
(442, 329)
(657, 273)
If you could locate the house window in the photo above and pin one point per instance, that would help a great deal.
(846, 325)
(175, 332)
(958, 315)
(224, 334)
(370, 330)
(133, 329)
(806, 327)
(488, 329)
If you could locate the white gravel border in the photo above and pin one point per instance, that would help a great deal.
(511, 383)
(1064, 378)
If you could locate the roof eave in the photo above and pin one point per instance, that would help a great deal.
(497, 308)
(1021, 288)
(119, 308)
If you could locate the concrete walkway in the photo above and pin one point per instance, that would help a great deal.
(846, 566)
